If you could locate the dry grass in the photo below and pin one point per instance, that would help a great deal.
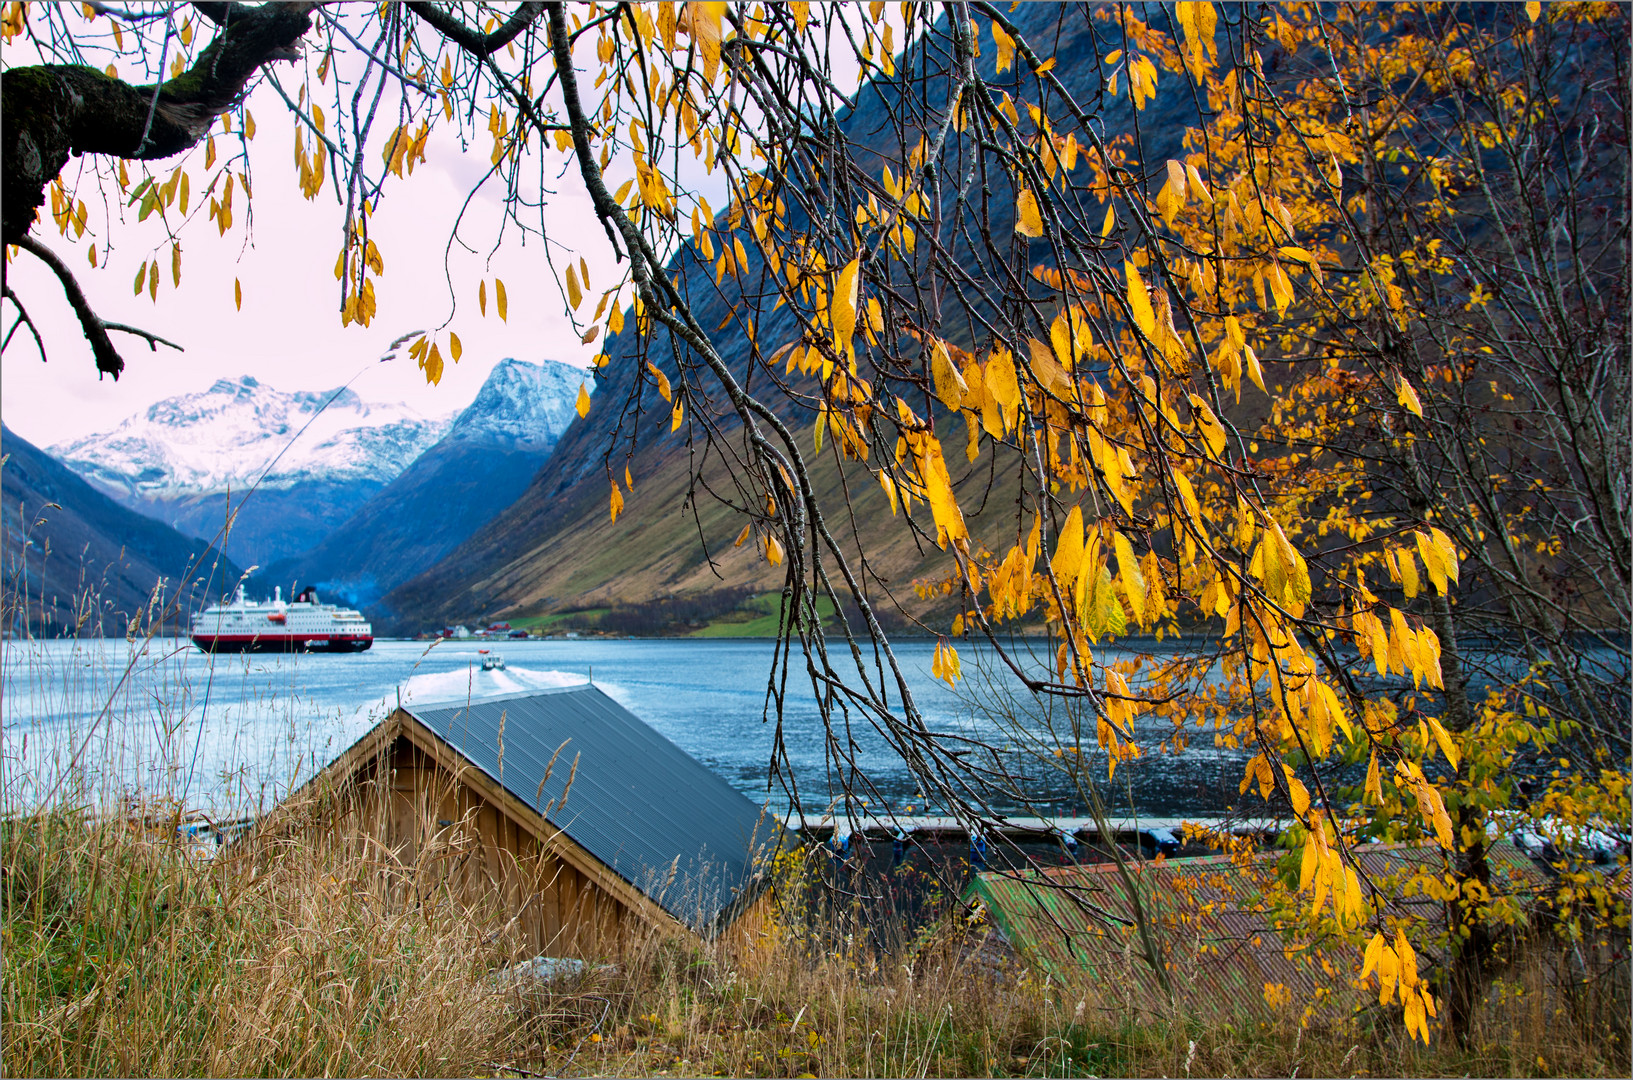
(126, 955)
(805, 1004)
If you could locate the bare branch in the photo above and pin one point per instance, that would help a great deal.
(22, 317)
(153, 340)
(476, 43)
(108, 360)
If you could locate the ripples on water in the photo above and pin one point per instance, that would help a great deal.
(234, 733)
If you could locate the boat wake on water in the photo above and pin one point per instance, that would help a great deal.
(480, 681)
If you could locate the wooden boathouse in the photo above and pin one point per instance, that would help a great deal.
(587, 824)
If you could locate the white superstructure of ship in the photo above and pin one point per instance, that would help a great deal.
(304, 625)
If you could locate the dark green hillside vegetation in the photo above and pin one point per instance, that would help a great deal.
(78, 563)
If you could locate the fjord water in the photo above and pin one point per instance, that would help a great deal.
(235, 733)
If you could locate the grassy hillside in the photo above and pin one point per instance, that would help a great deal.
(666, 545)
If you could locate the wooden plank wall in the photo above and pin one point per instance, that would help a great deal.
(429, 820)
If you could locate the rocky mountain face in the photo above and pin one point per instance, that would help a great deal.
(284, 466)
(556, 547)
(87, 564)
(481, 465)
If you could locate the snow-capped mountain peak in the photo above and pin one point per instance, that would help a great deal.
(522, 405)
(229, 435)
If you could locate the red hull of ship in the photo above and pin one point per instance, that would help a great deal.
(214, 643)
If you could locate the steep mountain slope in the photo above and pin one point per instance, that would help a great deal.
(479, 467)
(556, 547)
(88, 563)
(190, 459)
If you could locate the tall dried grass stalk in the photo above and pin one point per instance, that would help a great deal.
(311, 950)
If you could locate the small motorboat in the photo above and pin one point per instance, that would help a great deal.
(491, 661)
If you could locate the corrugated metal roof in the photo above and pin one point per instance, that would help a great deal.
(1213, 916)
(639, 803)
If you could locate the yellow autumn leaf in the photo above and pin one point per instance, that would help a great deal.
(1444, 740)
(1448, 552)
(889, 487)
(1139, 301)
(1296, 791)
(949, 384)
(616, 503)
(1001, 382)
(1102, 614)
(500, 300)
(1128, 568)
(1068, 556)
(1408, 397)
(1374, 791)
(1006, 47)
(1046, 369)
(583, 400)
(1296, 591)
(1187, 498)
(743, 536)
(481, 294)
(1254, 371)
(1028, 221)
(238, 294)
(1407, 565)
(1533, 10)
(575, 295)
(1197, 22)
(1210, 427)
(703, 23)
(843, 311)
(663, 381)
(773, 550)
(938, 490)
(1198, 186)
(1433, 561)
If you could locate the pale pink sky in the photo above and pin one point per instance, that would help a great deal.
(288, 333)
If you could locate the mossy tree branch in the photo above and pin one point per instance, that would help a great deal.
(50, 112)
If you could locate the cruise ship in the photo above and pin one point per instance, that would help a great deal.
(306, 625)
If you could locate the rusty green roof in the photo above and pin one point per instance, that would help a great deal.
(1215, 918)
